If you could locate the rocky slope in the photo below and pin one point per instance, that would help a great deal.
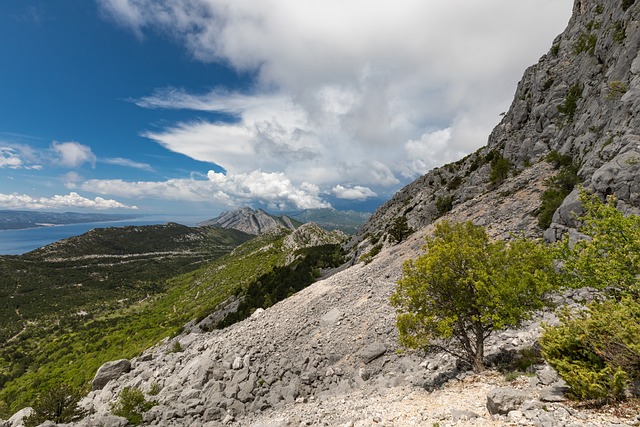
(249, 221)
(328, 355)
(582, 99)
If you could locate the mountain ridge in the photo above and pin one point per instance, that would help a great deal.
(251, 221)
(19, 220)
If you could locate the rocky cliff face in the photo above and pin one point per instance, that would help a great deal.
(582, 99)
(249, 221)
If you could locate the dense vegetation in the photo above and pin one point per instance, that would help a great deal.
(70, 349)
(284, 281)
(102, 270)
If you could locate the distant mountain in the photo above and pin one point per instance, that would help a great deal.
(16, 220)
(332, 219)
(252, 222)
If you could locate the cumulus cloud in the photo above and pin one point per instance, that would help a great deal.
(273, 190)
(71, 200)
(71, 154)
(370, 93)
(355, 193)
(119, 161)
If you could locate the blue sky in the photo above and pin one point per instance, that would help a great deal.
(198, 106)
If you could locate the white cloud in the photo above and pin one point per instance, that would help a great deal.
(119, 161)
(18, 157)
(273, 190)
(71, 154)
(9, 158)
(71, 200)
(355, 193)
(347, 90)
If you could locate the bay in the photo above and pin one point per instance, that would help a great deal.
(16, 242)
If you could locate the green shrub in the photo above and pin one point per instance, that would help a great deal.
(131, 404)
(177, 347)
(500, 168)
(596, 351)
(58, 404)
(558, 187)
(154, 390)
(399, 230)
(586, 43)
(626, 4)
(368, 257)
(619, 32)
(444, 204)
(570, 105)
(617, 89)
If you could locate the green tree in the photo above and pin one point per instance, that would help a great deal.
(465, 287)
(399, 230)
(58, 404)
(596, 351)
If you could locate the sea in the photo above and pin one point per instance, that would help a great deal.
(17, 242)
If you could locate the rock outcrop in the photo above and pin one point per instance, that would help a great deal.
(251, 222)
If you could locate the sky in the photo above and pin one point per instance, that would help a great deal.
(200, 106)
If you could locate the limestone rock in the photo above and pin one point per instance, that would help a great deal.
(110, 371)
(504, 400)
(372, 352)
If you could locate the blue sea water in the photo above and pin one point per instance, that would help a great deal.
(16, 242)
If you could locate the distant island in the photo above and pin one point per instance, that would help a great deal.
(19, 220)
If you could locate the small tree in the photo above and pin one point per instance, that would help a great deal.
(399, 230)
(58, 404)
(465, 287)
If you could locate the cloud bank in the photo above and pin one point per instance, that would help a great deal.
(23, 201)
(353, 96)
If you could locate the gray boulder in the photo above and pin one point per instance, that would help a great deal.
(372, 352)
(110, 371)
(503, 400)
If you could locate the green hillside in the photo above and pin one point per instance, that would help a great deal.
(69, 349)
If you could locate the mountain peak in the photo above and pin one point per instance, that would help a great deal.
(251, 221)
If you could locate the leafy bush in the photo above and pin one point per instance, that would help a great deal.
(444, 204)
(558, 187)
(586, 43)
(596, 350)
(570, 105)
(626, 4)
(619, 32)
(131, 404)
(399, 230)
(58, 404)
(617, 89)
(368, 257)
(465, 287)
(500, 167)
